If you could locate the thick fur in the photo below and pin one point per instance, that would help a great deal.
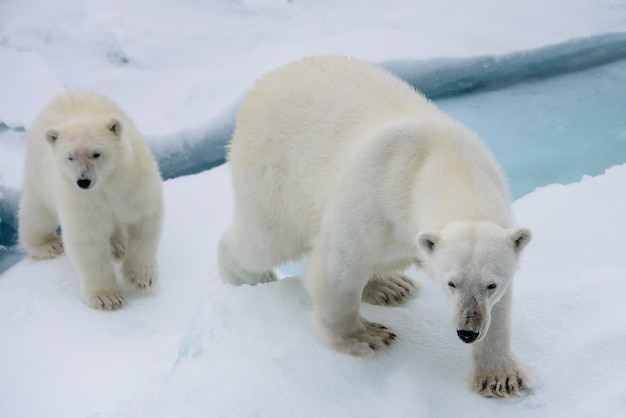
(336, 158)
(89, 171)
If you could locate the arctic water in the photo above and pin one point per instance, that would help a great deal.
(551, 131)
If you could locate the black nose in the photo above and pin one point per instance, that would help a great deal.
(83, 183)
(467, 336)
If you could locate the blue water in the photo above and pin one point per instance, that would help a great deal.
(550, 115)
(554, 130)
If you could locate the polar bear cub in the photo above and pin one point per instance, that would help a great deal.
(89, 171)
(338, 159)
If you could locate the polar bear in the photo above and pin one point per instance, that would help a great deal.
(338, 159)
(89, 171)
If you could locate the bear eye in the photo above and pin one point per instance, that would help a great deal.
(95, 155)
(492, 286)
(70, 158)
(451, 284)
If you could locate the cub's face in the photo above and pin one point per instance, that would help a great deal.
(476, 262)
(86, 152)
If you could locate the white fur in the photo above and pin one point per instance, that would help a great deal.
(337, 158)
(89, 171)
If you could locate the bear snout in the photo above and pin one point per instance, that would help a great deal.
(467, 336)
(84, 183)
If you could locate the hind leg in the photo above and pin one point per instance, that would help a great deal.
(389, 290)
(246, 255)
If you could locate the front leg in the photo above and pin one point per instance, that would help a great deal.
(88, 248)
(496, 371)
(139, 267)
(38, 228)
(336, 293)
(118, 242)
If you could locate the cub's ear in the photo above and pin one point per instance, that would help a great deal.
(115, 126)
(428, 241)
(519, 237)
(51, 136)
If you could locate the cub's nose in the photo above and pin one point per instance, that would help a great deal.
(467, 336)
(83, 183)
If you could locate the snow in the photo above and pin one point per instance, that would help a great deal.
(176, 65)
(198, 347)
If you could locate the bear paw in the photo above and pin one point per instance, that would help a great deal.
(106, 300)
(118, 249)
(51, 249)
(268, 277)
(500, 384)
(393, 290)
(372, 337)
(141, 278)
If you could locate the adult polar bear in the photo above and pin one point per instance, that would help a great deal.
(90, 171)
(339, 159)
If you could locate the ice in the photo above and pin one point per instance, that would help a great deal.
(198, 347)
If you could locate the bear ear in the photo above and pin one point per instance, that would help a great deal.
(115, 126)
(52, 135)
(519, 237)
(428, 241)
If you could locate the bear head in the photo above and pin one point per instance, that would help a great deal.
(476, 262)
(87, 151)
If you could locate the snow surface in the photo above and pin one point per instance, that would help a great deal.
(200, 348)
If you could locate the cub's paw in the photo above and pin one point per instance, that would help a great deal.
(392, 290)
(500, 384)
(369, 338)
(140, 277)
(50, 249)
(105, 300)
(118, 248)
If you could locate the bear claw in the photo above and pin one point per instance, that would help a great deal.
(106, 300)
(393, 290)
(372, 337)
(140, 278)
(500, 385)
(51, 249)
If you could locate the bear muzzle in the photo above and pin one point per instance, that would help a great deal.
(467, 336)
